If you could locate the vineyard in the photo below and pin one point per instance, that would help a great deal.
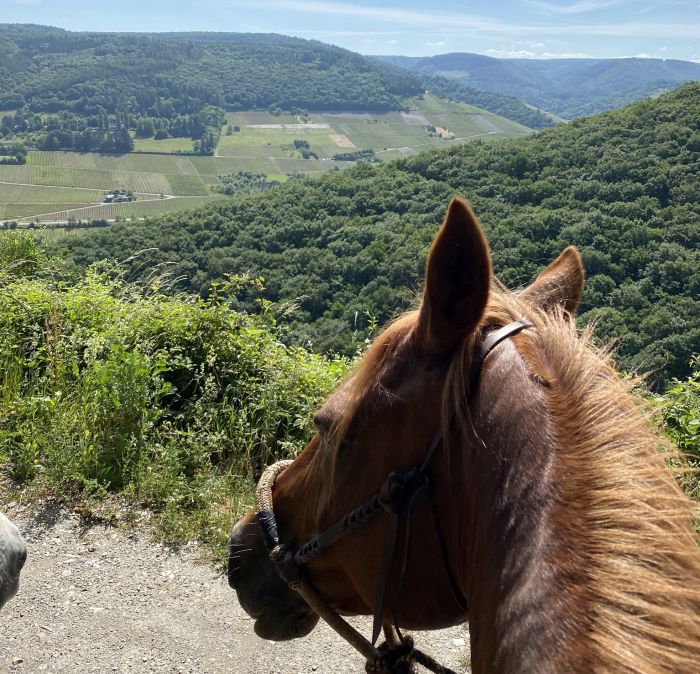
(54, 186)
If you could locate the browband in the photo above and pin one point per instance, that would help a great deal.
(496, 337)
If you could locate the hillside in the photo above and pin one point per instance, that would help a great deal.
(265, 149)
(622, 186)
(85, 91)
(231, 70)
(568, 88)
(497, 103)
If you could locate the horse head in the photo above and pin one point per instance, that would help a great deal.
(538, 471)
(13, 555)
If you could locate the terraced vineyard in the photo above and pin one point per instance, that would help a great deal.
(55, 186)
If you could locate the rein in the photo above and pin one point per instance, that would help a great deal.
(396, 497)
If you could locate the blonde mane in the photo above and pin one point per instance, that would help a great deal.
(620, 510)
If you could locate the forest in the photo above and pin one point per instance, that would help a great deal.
(84, 91)
(345, 252)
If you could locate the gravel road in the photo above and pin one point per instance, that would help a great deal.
(103, 599)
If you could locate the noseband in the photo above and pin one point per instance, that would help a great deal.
(395, 497)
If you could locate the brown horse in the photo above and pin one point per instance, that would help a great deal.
(552, 523)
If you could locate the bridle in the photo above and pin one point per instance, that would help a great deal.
(396, 497)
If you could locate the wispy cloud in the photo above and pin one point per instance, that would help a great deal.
(459, 23)
(665, 5)
(564, 55)
(525, 54)
(439, 43)
(511, 54)
(580, 7)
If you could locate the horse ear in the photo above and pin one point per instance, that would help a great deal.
(457, 280)
(560, 284)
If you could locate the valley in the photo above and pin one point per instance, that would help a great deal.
(58, 186)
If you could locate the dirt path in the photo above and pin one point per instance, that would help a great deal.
(98, 599)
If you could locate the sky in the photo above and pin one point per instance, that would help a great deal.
(505, 28)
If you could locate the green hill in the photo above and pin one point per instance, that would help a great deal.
(565, 87)
(85, 91)
(622, 186)
(48, 68)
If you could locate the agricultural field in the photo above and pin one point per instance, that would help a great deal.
(56, 186)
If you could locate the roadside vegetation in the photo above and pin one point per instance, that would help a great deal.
(116, 397)
(110, 390)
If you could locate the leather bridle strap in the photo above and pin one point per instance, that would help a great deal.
(493, 339)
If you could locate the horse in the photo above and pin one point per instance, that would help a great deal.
(551, 521)
(13, 555)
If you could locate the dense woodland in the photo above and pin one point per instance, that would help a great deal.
(569, 88)
(348, 249)
(85, 91)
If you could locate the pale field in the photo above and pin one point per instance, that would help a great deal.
(61, 182)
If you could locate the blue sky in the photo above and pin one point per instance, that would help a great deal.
(509, 28)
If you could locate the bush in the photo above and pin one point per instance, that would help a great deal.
(175, 403)
(680, 419)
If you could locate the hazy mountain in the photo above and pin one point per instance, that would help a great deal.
(565, 87)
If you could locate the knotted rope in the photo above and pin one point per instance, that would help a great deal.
(398, 654)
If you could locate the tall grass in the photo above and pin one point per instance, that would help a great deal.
(174, 403)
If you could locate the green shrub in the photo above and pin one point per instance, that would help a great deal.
(680, 418)
(175, 403)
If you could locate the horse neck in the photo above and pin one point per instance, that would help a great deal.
(578, 550)
(522, 598)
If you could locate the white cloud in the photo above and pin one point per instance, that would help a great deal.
(511, 54)
(393, 42)
(575, 7)
(439, 43)
(564, 55)
(643, 55)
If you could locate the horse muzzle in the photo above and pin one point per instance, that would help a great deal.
(280, 613)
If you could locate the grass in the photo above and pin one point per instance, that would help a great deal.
(191, 186)
(12, 211)
(165, 146)
(258, 150)
(28, 194)
(134, 209)
(171, 403)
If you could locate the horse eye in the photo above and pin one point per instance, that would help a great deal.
(344, 446)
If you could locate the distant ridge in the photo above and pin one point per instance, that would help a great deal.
(568, 88)
(51, 69)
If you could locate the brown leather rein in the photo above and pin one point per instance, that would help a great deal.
(396, 497)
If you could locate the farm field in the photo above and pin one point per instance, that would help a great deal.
(55, 186)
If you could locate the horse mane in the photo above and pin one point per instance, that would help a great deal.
(363, 384)
(619, 509)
